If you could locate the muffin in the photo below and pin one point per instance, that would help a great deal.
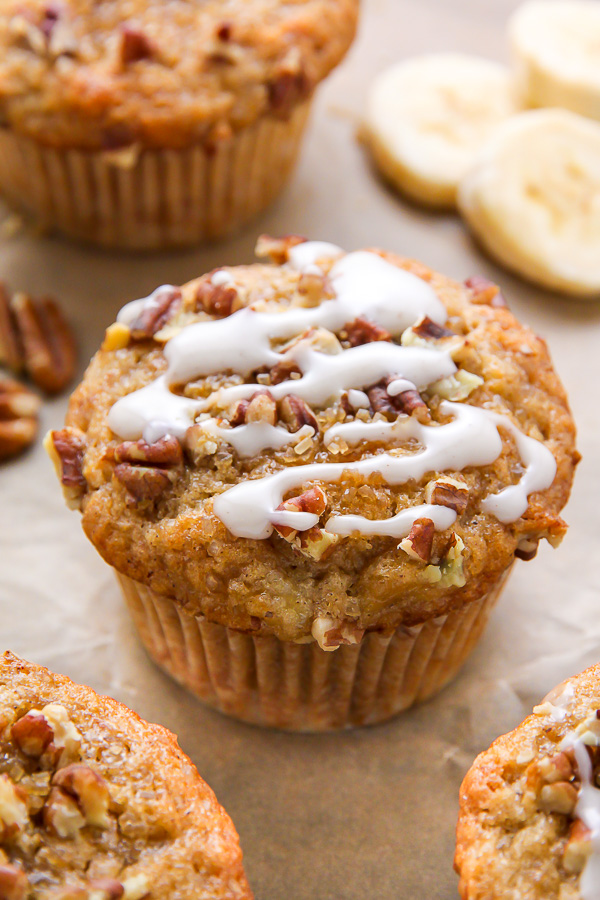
(146, 124)
(335, 452)
(96, 804)
(529, 807)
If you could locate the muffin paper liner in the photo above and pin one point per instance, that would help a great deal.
(301, 687)
(156, 198)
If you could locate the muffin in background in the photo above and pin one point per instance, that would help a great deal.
(312, 478)
(148, 124)
(96, 804)
(529, 806)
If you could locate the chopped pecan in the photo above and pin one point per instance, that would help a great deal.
(19, 409)
(419, 541)
(428, 329)
(331, 633)
(295, 412)
(61, 814)
(315, 542)
(200, 443)
(13, 808)
(260, 407)
(559, 797)
(405, 402)
(32, 734)
(288, 89)
(485, 292)
(314, 500)
(527, 549)
(315, 288)
(135, 45)
(577, 848)
(89, 790)
(361, 331)
(446, 491)
(283, 371)
(14, 884)
(277, 249)
(164, 453)
(143, 482)
(35, 338)
(156, 313)
(66, 449)
(216, 299)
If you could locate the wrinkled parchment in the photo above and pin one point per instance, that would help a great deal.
(369, 813)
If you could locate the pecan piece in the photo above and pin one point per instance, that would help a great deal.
(317, 543)
(19, 409)
(14, 884)
(32, 734)
(559, 797)
(277, 249)
(135, 45)
(295, 412)
(527, 549)
(61, 814)
(361, 331)
(90, 791)
(314, 500)
(13, 808)
(155, 313)
(419, 541)
(283, 371)
(405, 402)
(429, 330)
(143, 482)
(260, 407)
(446, 491)
(216, 299)
(331, 633)
(288, 89)
(485, 292)
(35, 338)
(577, 848)
(66, 448)
(164, 453)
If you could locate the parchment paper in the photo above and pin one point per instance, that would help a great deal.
(369, 813)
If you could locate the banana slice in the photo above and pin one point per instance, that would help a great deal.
(532, 198)
(427, 117)
(556, 52)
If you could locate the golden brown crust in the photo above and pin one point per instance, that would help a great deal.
(75, 73)
(163, 827)
(508, 844)
(177, 546)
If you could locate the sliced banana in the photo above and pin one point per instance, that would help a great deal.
(555, 47)
(427, 117)
(532, 198)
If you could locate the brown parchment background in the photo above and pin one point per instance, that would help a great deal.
(368, 813)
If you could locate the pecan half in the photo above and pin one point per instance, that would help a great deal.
(446, 491)
(19, 409)
(277, 249)
(156, 313)
(66, 449)
(14, 884)
(419, 541)
(317, 543)
(32, 734)
(135, 45)
(35, 338)
(143, 482)
(314, 500)
(430, 330)
(90, 791)
(485, 292)
(295, 412)
(61, 814)
(361, 331)
(216, 299)
(164, 453)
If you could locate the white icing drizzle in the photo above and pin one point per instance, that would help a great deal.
(365, 285)
(221, 277)
(132, 310)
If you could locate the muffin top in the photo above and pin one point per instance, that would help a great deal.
(529, 825)
(336, 438)
(96, 804)
(79, 73)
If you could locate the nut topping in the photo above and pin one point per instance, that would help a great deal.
(90, 791)
(260, 407)
(295, 412)
(429, 330)
(143, 482)
(419, 541)
(19, 409)
(485, 292)
(14, 884)
(450, 492)
(217, 300)
(331, 634)
(32, 734)
(62, 815)
(527, 549)
(13, 808)
(166, 452)
(66, 448)
(405, 402)
(277, 249)
(135, 45)
(35, 339)
(578, 848)
(361, 331)
(312, 501)
(560, 797)
(156, 313)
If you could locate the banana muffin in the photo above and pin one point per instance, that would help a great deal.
(335, 452)
(96, 804)
(142, 123)
(529, 824)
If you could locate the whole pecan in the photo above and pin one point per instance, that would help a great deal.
(107, 888)
(448, 492)
(485, 291)
(155, 313)
(296, 412)
(361, 331)
(216, 299)
(283, 371)
(36, 339)
(19, 409)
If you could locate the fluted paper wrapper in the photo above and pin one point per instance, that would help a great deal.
(154, 198)
(301, 687)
